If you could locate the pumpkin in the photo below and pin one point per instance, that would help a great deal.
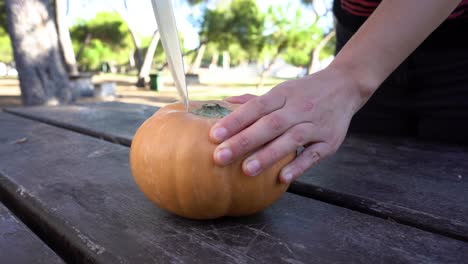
(171, 159)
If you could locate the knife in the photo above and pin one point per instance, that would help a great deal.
(164, 13)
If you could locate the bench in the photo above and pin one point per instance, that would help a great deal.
(18, 244)
(376, 200)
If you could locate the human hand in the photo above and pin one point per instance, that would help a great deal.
(314, 112)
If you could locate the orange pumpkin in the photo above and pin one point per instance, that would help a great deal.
(171, 158)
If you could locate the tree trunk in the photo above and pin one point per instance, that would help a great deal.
(311, 63)
(42, 74)
(198, 60)
(145, 69)
(265, 71)
(88, 38)
(183, 55)
(64, 37)
(138, 54)
(226, 60)
(315, 54)
(214, 60)
(281, 47)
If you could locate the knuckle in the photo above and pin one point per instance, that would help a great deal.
(273, 155)
(294, 170)
(300, 167)
(307, 105)
(312, 156)
(243, 142)
(261, 105)
(298, 137)
(236, 123)
(246, 97)
(274, 122)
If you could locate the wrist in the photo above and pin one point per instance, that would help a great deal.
(361, 84)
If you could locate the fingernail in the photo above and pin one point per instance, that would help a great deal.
(287, 177)
(219, 133)
(224, 155)
(253, 167)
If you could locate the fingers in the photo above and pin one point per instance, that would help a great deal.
(245, 115)
(287, 143)
(308, 158)
(264, 130)
(241, 99)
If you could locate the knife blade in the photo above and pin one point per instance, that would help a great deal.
(164, 13)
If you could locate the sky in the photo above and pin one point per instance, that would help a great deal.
(139, 14)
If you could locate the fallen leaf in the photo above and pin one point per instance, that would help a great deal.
(21, 140)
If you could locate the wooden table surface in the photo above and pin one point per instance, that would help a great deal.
(18, 244)
(377, 200)
(421, 184)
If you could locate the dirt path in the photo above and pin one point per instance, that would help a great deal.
(10, 94)
(126, 91)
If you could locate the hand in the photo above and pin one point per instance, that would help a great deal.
(314, 112)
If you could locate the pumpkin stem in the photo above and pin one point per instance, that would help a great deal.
(211, 111)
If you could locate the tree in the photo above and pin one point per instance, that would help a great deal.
(239, 23)
(104, 38)
(3, 17)
(215, 29)
(145, 68)
(315, 54)
(6, 52)
(138, 53)
(326, 38)
(289, 36)
(197, 60)
(98, 50)
(34, 38)
(68, 53)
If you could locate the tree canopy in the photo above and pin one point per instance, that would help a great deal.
(240, 24)
(238, 27)
(109, 40)
(6, 52)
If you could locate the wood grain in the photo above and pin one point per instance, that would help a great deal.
(18, 244)
(78, 192)
(422, 184)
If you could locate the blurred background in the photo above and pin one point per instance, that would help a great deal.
(62, 51)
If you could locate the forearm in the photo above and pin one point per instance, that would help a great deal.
(392, 32)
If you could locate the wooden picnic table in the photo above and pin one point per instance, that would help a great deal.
(64, 171)
(18, 244)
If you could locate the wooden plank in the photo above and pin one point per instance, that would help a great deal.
(80, 193)
(18, 244)
(96, 119)
(421, 184)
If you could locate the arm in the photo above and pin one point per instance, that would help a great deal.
(315, 111)
(392, 32)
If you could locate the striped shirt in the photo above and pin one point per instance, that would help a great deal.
(351, 14)
(365, 8)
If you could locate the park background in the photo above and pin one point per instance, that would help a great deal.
(91, 50)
